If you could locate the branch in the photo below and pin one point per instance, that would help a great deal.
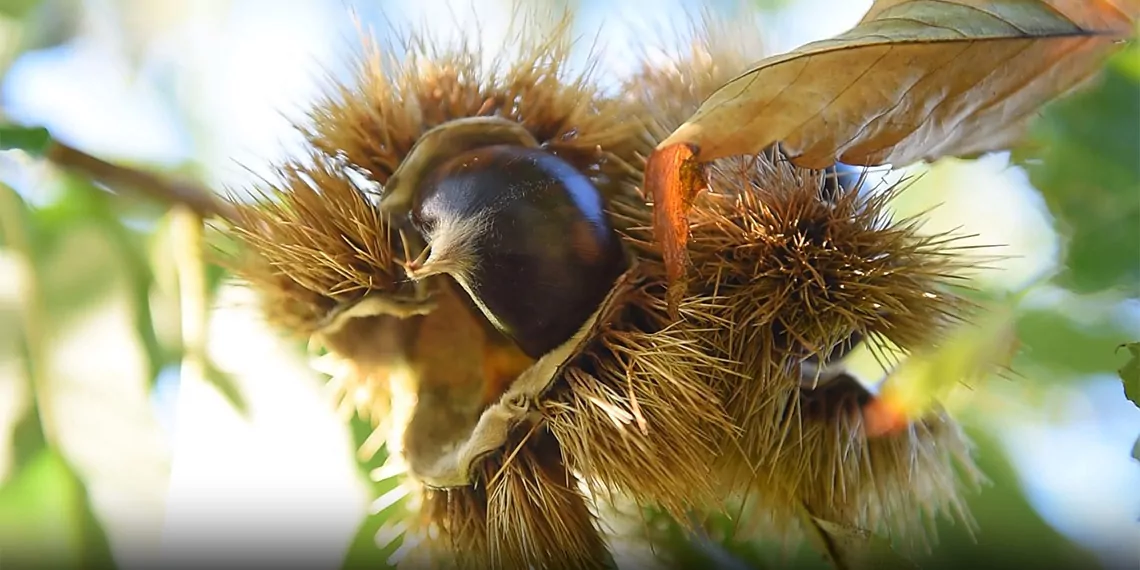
(178, 192)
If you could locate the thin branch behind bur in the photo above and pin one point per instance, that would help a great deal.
(179, 192)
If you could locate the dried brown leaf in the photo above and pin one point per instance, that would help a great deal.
(914, 80)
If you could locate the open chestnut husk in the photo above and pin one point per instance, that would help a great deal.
(502, 319)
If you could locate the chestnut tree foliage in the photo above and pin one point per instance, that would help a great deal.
(865, 97)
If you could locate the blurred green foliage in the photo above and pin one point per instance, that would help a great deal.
(32, 140)
(1005, 524)
(365, 550)
(1130, 373)
(1056, 345)
(1084, 157)
(46, 520)
(17, 8)
(771, 4)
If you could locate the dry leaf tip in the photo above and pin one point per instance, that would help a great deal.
(882, 417)
(673, 178)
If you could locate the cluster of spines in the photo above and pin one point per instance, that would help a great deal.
(674, 414)
(781, 272)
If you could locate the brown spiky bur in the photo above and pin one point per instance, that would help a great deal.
(521, 506)
(641, 406)
(524, 509)
(635, 411)
(447, 528)
(374, 120)
(895, 486)
(779, 275)
(538, 515)
(671, 83)
(313, 242)
(796, 276)
(319, 256)
(811, 272)
(316, 245)
(328, 266)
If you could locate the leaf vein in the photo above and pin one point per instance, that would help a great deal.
(916, 125)
(922, 23)
(978, 9)
(849, 86)
(901, 99)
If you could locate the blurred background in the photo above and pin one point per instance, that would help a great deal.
(110, 454)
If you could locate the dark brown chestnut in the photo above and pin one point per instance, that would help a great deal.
(525, 234)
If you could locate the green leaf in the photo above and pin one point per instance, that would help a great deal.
(32, 140)
(1008, 527)
(1054, 342)
(226, 385)
(970, 353)
(849, 548)
(771, 5)
(1136, 450)
(17, 9)
(1082, 157)
(28, 440)
(28, 436)
(364, 552)
(1130, 373)
(215, 277)
(46, 519)
(112, 251)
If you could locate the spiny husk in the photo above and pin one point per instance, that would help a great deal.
(717, 50)
(449, 530)
(823, 465)
(317, 250)
(779, 275)
(525, 509)
(635, 412)
(313, 242)
(538, 515)
(811, 274)
(373, 120)
(314, 245)
(638, 412)
(672, 414)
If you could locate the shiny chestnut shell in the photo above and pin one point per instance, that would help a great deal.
(545, 252)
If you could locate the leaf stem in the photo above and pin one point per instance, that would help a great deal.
(178, 192)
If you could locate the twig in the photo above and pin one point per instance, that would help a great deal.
(31, 310)
(199, 199)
